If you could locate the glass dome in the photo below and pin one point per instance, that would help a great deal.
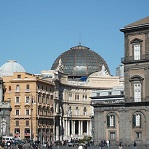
(10, 67)
(80, 61)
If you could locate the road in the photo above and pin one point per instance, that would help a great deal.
(26, 146)
(96, 147)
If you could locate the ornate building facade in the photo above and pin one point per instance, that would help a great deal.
(77, 73)
(125, 117)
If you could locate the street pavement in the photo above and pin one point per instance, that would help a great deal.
(96, 147)
(27, 146)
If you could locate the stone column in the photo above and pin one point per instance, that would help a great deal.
(87, 127)
(68, 128)
(74, 128)
(79, 128)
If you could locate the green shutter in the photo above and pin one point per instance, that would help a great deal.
(108, 121)
(134, 121)
(114, 120)
(140, 121)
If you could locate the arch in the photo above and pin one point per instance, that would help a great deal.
(137, 111)
(111, 112)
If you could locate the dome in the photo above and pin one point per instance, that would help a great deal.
(10, 67)
(80, 61)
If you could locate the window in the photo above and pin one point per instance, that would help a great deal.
(27, 123)
(17, 88)
(76, 96)
(98, 94)
(136, 120)
(17, 100)
(122, 93)
(137, 92)
(84, 111)
(111, 121)
(27, 99)
(137, 83)
(17, 131)
(27, 112)
(136, 51)
(138, 135)
(17, 112)
(27, 88)
(136, 48)
(84, 97)
(70, 96)
(9, 89)
(112, 136)
(17, 123)
(109, 93)
(77, 111)
(18, 76)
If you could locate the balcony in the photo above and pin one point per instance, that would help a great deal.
(27, 90)
(27, 134)
(17, 90)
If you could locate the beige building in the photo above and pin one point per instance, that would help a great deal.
(31, 100)
(77, 73)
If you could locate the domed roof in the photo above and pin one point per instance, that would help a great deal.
(10, 67)
(80, 61)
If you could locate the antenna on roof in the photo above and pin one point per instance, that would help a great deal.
(80, 38)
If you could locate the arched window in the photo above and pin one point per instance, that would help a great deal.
(111, 120)
(136, 120)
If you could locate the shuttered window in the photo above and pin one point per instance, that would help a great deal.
(137, 52)
(137, 92)
(111, 121)
(136, 122)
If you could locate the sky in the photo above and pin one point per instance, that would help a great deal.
(36, 32)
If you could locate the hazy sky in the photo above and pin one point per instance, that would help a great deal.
(36, 32)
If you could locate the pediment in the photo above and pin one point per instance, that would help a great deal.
(136, 40)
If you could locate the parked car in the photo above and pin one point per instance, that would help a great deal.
(70, 143)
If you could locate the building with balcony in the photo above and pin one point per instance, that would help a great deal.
(31, 100)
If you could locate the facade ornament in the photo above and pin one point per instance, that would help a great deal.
(60, 66)
(103, 71)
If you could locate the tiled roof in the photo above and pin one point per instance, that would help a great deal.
(139, 22)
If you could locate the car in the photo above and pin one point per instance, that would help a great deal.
(70, 143)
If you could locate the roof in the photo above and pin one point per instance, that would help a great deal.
(79, 61)
(139, 22)
(10, 67)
